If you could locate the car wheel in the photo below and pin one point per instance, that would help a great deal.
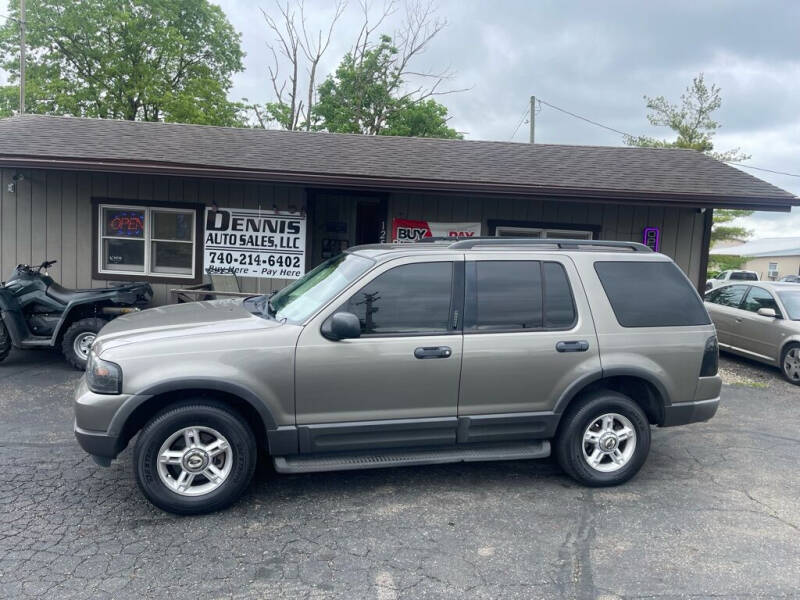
(603, 440)
(5, 341)
(790, 363)
(195, 457)
(78, 340)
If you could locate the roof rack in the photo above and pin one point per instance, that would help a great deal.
(473, 242)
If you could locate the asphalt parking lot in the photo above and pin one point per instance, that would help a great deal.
(715, 512)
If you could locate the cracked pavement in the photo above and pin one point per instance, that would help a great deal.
(714, 512)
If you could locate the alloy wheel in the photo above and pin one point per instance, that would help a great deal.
(194, 461)
(609, 442)
(791, 364)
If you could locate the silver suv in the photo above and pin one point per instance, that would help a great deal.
(396, 355)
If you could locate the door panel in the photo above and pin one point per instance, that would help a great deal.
(521, 371)
(757, 334)
(723, 307)
(406, 365)
(375, 378)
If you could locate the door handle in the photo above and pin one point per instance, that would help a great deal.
(573, 346)
(433, 352)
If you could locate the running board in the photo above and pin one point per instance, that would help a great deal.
(313, 463)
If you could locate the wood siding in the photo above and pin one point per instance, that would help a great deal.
(49, 217)
(681, 228)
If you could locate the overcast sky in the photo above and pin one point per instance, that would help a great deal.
(596, 59)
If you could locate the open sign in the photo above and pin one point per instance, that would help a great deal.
(125, 223)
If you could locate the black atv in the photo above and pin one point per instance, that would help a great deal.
(36, 312)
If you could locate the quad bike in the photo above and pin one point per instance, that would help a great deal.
(36, 312)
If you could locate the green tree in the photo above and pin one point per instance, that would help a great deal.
(151, 60)
(365, 95)
(693, 122)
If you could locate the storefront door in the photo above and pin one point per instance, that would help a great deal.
(341, 219)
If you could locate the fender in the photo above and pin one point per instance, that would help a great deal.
(579, 384)
(203, 383)
(11, 315)
(574, 389)
(68, 310)
(641, 374)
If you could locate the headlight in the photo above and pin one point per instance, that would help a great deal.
(102, 376)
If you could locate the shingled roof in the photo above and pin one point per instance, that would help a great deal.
(636, 174)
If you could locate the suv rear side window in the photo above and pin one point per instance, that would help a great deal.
(409, 299)
(650, 294)
(518, 295)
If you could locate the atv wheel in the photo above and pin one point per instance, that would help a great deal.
(5, 341)
(78, 341)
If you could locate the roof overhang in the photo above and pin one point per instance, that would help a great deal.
(342, 181)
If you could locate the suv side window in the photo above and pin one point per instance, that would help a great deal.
(518, 295)
(509, 295)
(730, 295)
(409, 299)
(759, 298)
(650, 294)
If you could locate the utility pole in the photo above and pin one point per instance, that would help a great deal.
(22, 24)
(533, 117)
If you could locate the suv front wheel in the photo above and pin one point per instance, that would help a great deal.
(195, 457)
(603, 440)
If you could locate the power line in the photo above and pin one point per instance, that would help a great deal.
(521, 121)
(733, 162)
(572, 114)
(577, 116)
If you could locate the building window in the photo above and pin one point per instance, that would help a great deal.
(540, 233)
(772, 271)
(149, 241)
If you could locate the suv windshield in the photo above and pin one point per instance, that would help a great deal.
(791, 302)
(301, 299)
(744, 276)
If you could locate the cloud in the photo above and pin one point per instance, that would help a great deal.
(597, 59)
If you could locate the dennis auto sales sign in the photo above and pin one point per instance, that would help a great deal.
(406, 230)
(255, 243)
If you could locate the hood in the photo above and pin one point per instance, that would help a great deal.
(178, 321)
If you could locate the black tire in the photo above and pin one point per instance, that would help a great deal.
(5, 341)
(569, 444)
(786, 374)
(83, 326)
(199, 413)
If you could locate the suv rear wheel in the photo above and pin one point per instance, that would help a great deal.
(604, 439)
(195, 457)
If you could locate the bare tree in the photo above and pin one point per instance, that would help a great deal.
(297, 53)
(419, 27)
(295, 47)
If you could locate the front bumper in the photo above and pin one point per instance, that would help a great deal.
(690, 412)
(95, 427)
(103, 447)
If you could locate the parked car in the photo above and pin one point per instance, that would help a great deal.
(412, 354)
(790, 279)
(760, 321)
(730, 275)
(36, 312)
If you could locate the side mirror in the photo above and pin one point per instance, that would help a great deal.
(342, 326)
(767, 312)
